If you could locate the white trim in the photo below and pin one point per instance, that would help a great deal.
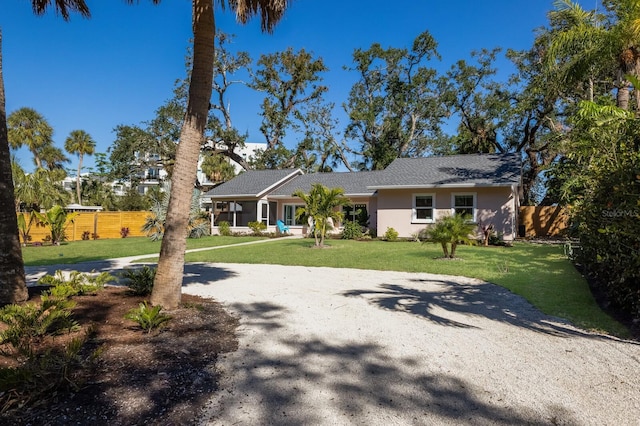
(414, 212)
(474, 207)
(296, 172)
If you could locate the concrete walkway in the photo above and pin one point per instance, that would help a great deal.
(113, 266)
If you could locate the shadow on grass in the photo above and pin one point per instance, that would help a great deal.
(299, 381)
(194, 273)
(455, 304)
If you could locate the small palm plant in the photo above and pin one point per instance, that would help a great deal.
(450, 231)
(139, 281)
(56, 218)
(321, 205)
(148, 317)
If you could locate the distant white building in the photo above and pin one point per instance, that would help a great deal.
(154, 173)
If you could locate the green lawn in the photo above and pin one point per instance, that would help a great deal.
(539, 273)
(82, 251)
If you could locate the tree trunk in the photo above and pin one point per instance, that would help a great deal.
(622, 100)
(13, 286)
(168, 281)
(453, 250)
(78, 192)
(445, 250)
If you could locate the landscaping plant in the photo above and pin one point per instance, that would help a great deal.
(391, 234)
(77, 283)
(351, 231)
(41, 369)
(139, 281)
(449, 231)
(321, 209)
(257, 228)
(56, 218)
(224, 228)
(148, 317)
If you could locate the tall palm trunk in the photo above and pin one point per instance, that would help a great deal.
(13, 287)
(168, 280)
(78, 192)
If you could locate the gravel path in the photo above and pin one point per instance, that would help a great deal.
(323, 346)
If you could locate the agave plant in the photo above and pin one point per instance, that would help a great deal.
(154, 225)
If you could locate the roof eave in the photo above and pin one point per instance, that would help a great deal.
(230, 197)
(446, 185)
(296, 172)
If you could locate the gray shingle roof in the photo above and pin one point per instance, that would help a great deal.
(454, 171)
(428, 172)
(252, 183)
(353, 183)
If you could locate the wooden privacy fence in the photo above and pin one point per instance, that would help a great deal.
(102, 224)
(542, 221)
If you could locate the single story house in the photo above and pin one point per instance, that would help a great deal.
(408, 195)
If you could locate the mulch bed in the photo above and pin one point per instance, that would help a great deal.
(158, 378)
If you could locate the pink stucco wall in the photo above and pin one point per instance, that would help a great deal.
(495, 206)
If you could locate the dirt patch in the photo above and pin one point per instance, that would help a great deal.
(164, 377)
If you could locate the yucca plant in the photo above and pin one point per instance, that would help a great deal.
(148, 317)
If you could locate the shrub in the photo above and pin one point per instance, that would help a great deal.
(391, 234)
(94, 236)
(139, 281)
(124, 232)
(40, 371)
(28, 323)
(86, 235)
(148, 318)
(224, 228)
(351, 231)
(257, 228)
(78, 283)
(450, 230)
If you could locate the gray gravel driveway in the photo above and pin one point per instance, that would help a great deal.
(322, 346)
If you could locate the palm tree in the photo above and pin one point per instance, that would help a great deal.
(217, 168)
(13, 286)
(450, 230)
(321, 206)
(168, 281)
(79, 142)
(38, 190)
(29, 128)
(583, 41)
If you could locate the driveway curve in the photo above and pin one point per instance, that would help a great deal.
(322, 346)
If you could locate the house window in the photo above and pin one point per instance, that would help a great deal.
(290, 214)
(356, 213)
(464, 204)
(423, 208)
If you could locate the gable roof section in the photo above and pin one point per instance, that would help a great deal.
(353, 183)
(253, 183)
(454, 171)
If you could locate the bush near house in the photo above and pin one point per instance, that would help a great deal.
(449, 231)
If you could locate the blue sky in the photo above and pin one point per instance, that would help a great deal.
(119, 66)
